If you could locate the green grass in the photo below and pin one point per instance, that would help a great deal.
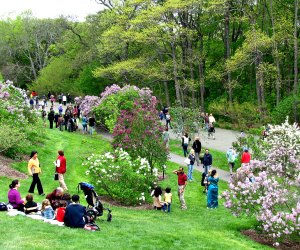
(195, 228)
(219, 157)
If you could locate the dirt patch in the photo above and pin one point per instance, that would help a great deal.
(112, 202)
(267, 240)
(7, 171)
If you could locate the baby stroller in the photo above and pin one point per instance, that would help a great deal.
(204, 182)
(95, 207)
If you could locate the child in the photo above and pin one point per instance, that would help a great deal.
(60, 212)
(30, 206)
(167, 200)
(47, 210)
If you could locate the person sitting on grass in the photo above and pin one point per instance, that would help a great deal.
(14, 197)
(156, 195)
(47, 210)
(60, 212)
(55, 197)
(30, 206)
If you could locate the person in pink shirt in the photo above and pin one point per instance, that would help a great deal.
(246, 157)
(14, 197)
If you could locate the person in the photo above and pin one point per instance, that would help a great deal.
(211, 119)
(60, 109)
(168, 120)
(56, 117)
(55, 197)
(75, 215)
(60, 212)
(69, 98)
(47, 211)
(156, 195)
(231, 156)
(34, 170)
(161, 115)
(191, 165)
(167, 200)
(182, 182)
(246, 157)
(61, 123)
(51, 117)
(197, 148)
(14, 197)
(31, 102)
(165, 111)
(67, 198)
(207, 161)
(92, 123)
(84, 124)
(185, 143)
(61, 168)
(59, 97)
(212, 193)
(206, 121)
(64, 99)
(30, 206)
(211, 131)
(166, 137)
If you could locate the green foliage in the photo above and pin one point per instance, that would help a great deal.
(121, 177)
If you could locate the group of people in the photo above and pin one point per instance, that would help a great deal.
(58, 207)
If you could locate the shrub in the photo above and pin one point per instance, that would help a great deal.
(122, 177)
(269, 187)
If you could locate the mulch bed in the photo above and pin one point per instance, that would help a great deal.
(267, 240)
(7, 171)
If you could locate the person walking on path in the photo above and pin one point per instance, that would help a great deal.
(246, 157)
(231, 156)
(92, 122)
(64, 99)
(166, 137)
(84, 124)
(212, 193)
(168, 120)
(185, 143)
(34, 170)
(182, 182)
(51, 116)
(197, 148)
(207, 161)
(61, 168)
(191, 165)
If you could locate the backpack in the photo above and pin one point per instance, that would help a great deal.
(3, 206)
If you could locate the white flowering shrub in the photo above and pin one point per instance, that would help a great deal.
(121, 177)
(269, 188)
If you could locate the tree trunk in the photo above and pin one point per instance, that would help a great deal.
(167, 94)
(296, 63)
(259, 81)
(175, 73)
(201, 73)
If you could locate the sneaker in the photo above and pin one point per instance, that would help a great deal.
(43, 194)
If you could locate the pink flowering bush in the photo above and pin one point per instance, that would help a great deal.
(114, 99)
(269, 188)
(139, 132)
(88, 104)
(120, 176)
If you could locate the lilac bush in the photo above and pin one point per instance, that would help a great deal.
(269, 188)
(88, 104)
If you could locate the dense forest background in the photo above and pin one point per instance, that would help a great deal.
(236, 58)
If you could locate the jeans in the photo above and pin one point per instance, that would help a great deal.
(167, 207)
(91, 130)
(207, 168)
(190, 172)
(231, 166)
(185, 149)
(197, 158)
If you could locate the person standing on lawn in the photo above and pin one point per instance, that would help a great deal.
(61, 168)
(182, 182)
(34, 170)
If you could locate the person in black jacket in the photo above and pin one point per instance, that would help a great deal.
(207, 161)
(75, 215)
(51, 117)
(197, 148)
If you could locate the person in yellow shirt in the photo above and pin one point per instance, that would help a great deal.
(167, 200)
(34, 170)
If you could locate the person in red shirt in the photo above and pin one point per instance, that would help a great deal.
(61, 168)
(60, 211)
(182, 182)
(246, 157)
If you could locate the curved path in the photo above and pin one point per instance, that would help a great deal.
(223, 141)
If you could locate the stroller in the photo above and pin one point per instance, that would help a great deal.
(95, 207)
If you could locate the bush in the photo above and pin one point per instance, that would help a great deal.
(269, 187)
(284, 109)
(123, 178)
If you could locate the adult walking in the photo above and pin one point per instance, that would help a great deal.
(166, 137)
(191, 164)
(197, 148)
(185, 143)
(212, 193)
(61, 168)
(84, 124)
(64, 99)
(182, 182)
(14, 197)
(34, 170)
(92, 123)
(51, 117)
(231, 156)
(207, 161)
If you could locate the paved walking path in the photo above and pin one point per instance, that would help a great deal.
(223, 140)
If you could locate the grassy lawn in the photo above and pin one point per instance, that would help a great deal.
(219, 158)
(131, 228)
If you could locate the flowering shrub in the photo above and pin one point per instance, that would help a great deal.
(114, 99)
(123, 178)
(269, 188)
(88, 104)
(19, 124)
